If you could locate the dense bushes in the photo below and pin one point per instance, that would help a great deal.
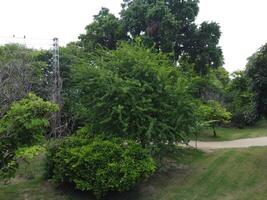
(24, 124)
(244, 116)
(239, 100)
(99, 165)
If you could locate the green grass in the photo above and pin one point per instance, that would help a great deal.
(235, 174)
(29, 184)
(239, 174)
(226, 134)
(227, 174)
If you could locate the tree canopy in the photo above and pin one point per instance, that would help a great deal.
(169, 26)
(106, 30)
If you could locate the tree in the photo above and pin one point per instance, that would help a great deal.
(257, 71)
(167, 25)
(21, 72)
(133, 93)
(106, 31)
(170, 25)
(213, 114)
(239, 100)
(211, 86)
(72, 57)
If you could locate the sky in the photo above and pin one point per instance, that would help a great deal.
(243, 23)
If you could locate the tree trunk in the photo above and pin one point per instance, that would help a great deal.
(214, 131)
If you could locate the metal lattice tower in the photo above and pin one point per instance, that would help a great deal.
(57, 82)
(56, 90)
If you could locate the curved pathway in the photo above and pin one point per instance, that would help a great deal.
(241, 143)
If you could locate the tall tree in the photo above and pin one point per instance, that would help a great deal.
(72, 58)
(257, 71)
(170, 24)
(106, 30)
(239, 100)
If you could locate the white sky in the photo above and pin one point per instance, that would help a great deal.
(243, 22)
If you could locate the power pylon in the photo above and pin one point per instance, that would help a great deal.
(56, 91)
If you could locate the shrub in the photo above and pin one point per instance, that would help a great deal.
(99, 165)
(30, 160)
(28, 120)
(213, 113)
(24, 124)
(8, 165)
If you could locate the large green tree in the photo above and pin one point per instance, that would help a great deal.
(168, 25)
(257, 71)
(239, 100)
(133, 93)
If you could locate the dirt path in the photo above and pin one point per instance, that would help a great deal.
(242, 143)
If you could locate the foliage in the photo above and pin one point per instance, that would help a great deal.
(28, 119)
(24, 124)
(25, 157)
(211, 86)
(166, 25)
(256, 70)
(71, 57)
(239, 100)
(106, 30)
(100, 165)
(133, 93)
(213, 113)
(229, 133)
(21, 71)
(8, 164)
(170, 25)
(30, 152)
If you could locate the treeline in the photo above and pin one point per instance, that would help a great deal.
(133, 87)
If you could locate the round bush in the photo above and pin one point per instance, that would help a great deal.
(100, 165)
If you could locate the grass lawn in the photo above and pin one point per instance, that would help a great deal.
(225, 175)
(237, 174)
(226, 134)
(29, 184)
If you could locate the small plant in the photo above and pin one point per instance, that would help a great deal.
(212, 114)
(26, 156)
